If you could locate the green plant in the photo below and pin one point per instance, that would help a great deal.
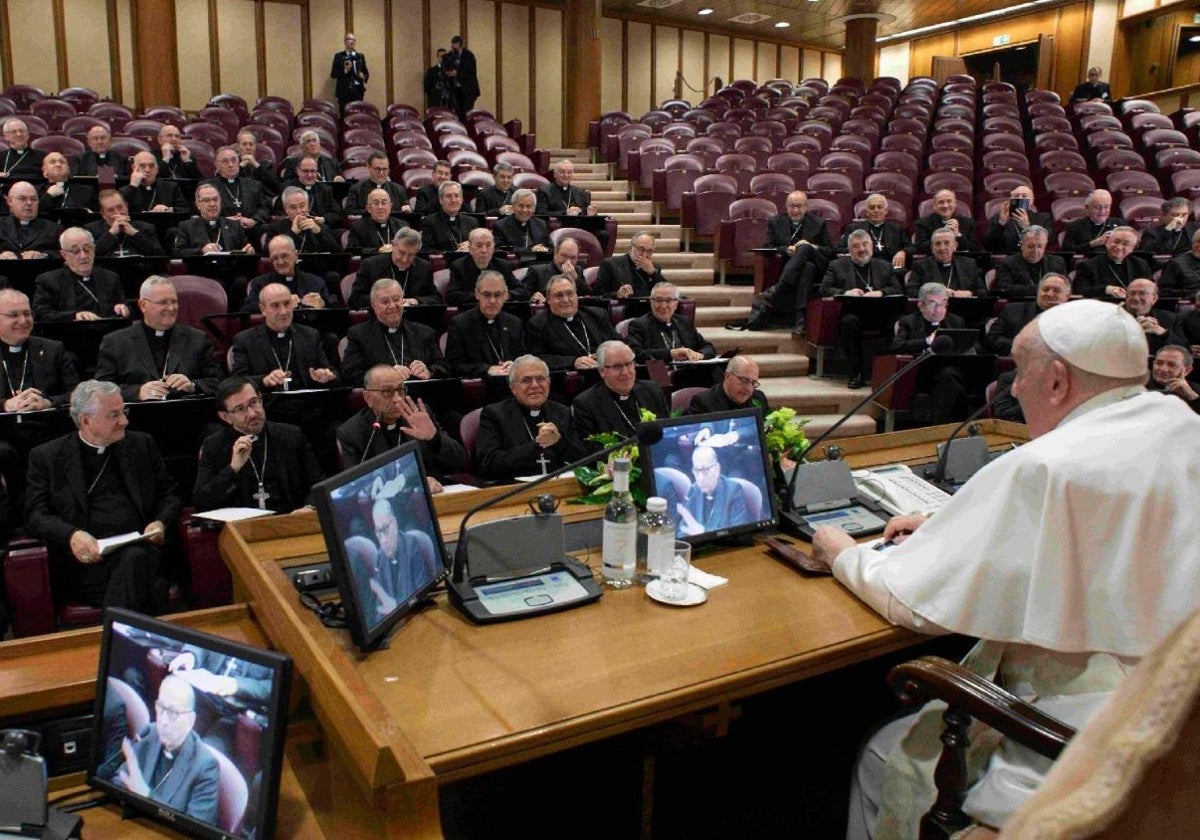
(597, 479)
(785, 436)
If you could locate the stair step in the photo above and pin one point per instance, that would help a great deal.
(859, 424)
(619, 206)
(749, 342)
(671, 231)
(584, 155)
(683, 259)
(606, 196)
(719, 316)
(773, 366)
(693, 278)
(601, 185)
(710, 295)
(663, 245)
(634, 219)
(819, 396)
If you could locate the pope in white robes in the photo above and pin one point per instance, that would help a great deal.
(1068, 558)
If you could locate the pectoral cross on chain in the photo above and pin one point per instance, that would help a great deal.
(541, 459)
(261, 497)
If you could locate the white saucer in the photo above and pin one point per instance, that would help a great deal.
(695, 595)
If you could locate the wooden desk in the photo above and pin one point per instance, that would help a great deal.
(449, 699)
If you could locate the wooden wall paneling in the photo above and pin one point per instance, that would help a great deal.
(1071, 38)
(502, 76)
(768, 61)
(789, 64)
(514, 31)
(637, 59)
(743, 60)
(666, 65)
(86, 64)
(832, 66)
(719, 58)
(113, 24)
(285, 73)
(6, 69)
(195, 57)
(214, 47)
(481, 23)
(327, 25)
(125, 35)
(624, 66)
(692, 63)
(444, 23)
(238, 50)
(810, 66)
(613, 64)
(31, 43)
(156, 51)
(260, 55)
(408, 61)
(924, 49)
(60, 43)
(368, 19)
(548, 73)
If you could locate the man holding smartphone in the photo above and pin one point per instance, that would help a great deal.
(1006, 225)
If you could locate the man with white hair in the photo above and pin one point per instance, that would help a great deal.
(23, 236)
(1041, 556)
(98, 154)
(79, 291)
(310, 146)
(19, 159)
(1087, 235)
(561, 198)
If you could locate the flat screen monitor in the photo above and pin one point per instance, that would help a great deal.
(385, 549)
(714, 471)
(188, 727)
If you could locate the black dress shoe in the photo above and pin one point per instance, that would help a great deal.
(856, 382)
(757, 324)
(736, 325)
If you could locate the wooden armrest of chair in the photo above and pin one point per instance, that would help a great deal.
(969, 696)
(27, 584)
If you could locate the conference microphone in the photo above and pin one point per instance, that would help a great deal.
(647, 433)
(941, 343)
(938, 474)
(376, 427)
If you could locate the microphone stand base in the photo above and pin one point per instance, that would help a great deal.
(566, 585)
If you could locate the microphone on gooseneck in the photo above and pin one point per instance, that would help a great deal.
(941, 343)
(647, 433)
(375, 429)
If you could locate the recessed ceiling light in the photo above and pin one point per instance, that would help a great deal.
(1195, 39)
(705, 12)
(783, 24)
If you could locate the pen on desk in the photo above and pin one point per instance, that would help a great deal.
(885, 544)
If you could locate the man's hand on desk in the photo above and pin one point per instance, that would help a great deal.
(829, 542)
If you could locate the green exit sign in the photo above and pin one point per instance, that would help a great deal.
(1001, 40)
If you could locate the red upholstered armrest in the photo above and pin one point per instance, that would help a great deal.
(767, 268)
(687, 210)
(899, 396)
(658, 186)
(822, 321)
(211, 583)
(27, 584)
(633, 170)
(594, 134)
(724, 247)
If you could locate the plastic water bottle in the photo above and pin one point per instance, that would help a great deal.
(618, 554)
(656, 537)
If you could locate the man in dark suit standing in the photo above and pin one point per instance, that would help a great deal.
(630, 275)
(392, 418)
(118, 235)
(414, 274)
(803, 241)
(615, 403)
(714, 501)
(99, 482)
(464, 76)
(209, 233)
(1019, 275)
(664, 334)
(958, 274)
(1108, 275)
(349, 72)
(858, 275)
(158, 358)
(309, 289)
(410, 347)
(282, 466)
(1006, 226)
(566, 336)
(23, 236)
(484, 340)
(945, 215)
(433, 83)
(561, 198)
(78, 291)
(737, 389)
(98, 154)
(1052, 290)
(527, 434)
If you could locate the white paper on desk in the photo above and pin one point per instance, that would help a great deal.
(526, 478)
(713, 361)
(704, 580)
(457, 488)
(233, 514)
(109, 544)
(302, 391)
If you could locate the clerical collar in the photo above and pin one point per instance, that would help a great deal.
(99, 450)
(491, 321)
(231, 180)
(283, 334)
(535, 412)
(15, 348)
(569, 318)
(156, 333)
(393, 330)
(623, 397)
